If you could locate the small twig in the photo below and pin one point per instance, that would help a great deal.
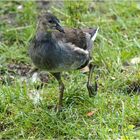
(62, 13)
(19, 28)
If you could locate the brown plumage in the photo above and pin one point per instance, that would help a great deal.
(75, 36)
(58, 49)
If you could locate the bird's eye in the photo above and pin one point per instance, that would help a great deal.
(50, 21)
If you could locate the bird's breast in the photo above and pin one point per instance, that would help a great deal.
(58, 56)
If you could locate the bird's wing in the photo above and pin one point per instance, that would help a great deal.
(92, 32)
(81, 38)
(90, 37)
(74, 36)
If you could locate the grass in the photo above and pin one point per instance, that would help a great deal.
(116, 110)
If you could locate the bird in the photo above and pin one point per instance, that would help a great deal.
(56, 49)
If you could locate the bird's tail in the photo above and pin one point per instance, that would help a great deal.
(91, 38)
(94, 34)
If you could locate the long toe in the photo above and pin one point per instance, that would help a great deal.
(92, 89)
(58, 108)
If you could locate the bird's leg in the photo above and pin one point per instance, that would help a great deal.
(61, 90)
(92, 89)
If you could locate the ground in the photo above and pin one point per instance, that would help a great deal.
(114, 113)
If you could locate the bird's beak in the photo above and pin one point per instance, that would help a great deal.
(59, 28)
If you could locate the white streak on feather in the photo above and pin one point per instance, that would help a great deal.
(94, 36)
(74, 47)
(81, 50)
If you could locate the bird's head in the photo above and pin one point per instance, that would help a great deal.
(50, 22)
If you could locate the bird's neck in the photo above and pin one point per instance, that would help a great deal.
(43, 34)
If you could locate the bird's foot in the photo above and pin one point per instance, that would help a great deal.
(58, 108)
(92, 90)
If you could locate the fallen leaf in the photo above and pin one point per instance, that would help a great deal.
(113, 78)
(89, 114)
(85, 69)
(135, 61)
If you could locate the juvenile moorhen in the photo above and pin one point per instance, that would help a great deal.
(56, 49)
